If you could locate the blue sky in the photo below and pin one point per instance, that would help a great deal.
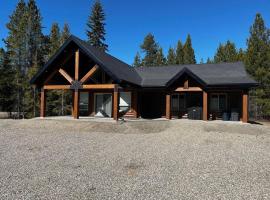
(208, 21)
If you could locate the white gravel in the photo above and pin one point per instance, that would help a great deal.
(178, 159)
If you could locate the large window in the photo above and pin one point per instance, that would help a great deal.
(125, 101)
(218, 102)
(103, 104)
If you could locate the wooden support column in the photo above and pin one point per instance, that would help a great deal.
(168, 106)
(72, 104)
(205, 105)
(76, 104)
(134, 103)
(77, 61)
(43, 103)
(245, 107)
(116, 103)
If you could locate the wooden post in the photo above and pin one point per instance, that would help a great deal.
(76, 104)
(245, 107)
(205, 104)
(77, 62)
(168, 106)
(134, 103)
(43, 103)
(116, 103)
(186, 84)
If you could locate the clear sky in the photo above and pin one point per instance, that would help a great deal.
(208, 21)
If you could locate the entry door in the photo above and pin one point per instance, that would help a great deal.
(103, 105)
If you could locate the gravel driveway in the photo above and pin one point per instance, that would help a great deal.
(178, 159)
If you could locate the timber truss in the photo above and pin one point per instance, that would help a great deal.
(77, 84)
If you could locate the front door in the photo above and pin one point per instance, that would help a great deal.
(103, 105)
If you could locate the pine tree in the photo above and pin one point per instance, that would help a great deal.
(7, 87)
(209, 61)
(226, 53)
(65, 33)
(189, 56)
(150, 49)
(171, 58)
(35, 58)
(241, 55)
(161, 60)
(55, 39)
(137, 60)
(17, 49)
(179, 53)
(96, 27)
(257, 62)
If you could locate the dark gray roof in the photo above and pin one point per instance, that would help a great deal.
(162, 76)
(209, 74)
(117, 69)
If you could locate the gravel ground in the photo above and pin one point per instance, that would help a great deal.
(177, 159)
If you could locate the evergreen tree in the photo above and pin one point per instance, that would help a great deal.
(150, 49)
(257, 61)
(161, 60)
(179, 53)
(137, 60)
(189, 56)
(35, 58)
(226, 53)
(171, 58)
(96, 27)
(7, 75)
(241, 55)
(34, 35)
(17, 49)
(65, 33)
(55, 39)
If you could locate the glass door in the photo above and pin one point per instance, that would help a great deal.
(103, 105)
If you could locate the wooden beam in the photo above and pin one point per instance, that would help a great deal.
(116, 103)
(245, 107)
(66, 75)
(62, 64)
(99, 86)
(168, 106)
(43, 103)
(186, 84)
(190, 89)
(89, 74)
(57, 87)
(76, 104)
(77, 62)
(205, 104)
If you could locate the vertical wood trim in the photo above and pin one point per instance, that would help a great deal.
(43, 103)
(205, 105)
(245, 107)
(135, 103)
(186, 84)
(168, 106)
(116, 104)
(76, 104)
(77, 62)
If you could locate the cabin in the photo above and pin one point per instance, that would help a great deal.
(104, 86)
